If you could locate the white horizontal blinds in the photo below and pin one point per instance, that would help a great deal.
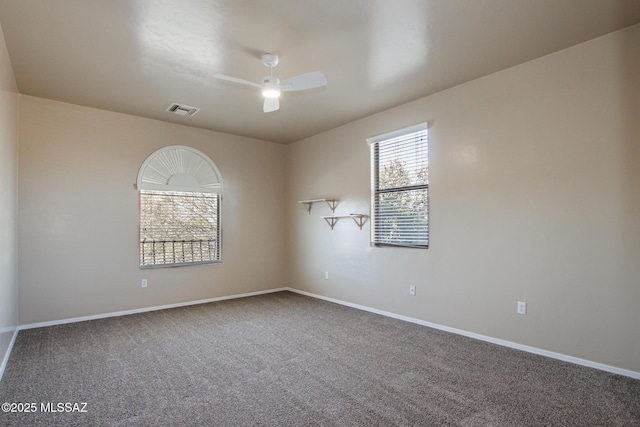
(401, 190)
(179, 228)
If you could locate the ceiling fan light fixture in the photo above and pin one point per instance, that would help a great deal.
(271, 87)
(271, 92)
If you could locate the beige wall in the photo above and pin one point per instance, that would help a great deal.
(535, 196)
(78, 213)
(8, 197)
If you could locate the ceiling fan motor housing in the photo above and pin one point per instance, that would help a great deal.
(270, 87)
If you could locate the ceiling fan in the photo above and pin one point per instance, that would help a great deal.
(271, 86)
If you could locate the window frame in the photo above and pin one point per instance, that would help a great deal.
(217, 237)
(180, 170)
(375, 143)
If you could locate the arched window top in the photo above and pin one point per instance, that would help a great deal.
(179, 168)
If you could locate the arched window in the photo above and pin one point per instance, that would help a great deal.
(180, 192)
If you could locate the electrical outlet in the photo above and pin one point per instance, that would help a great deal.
(143, 282)
(326, 275)
(412, 290)
(522, 307)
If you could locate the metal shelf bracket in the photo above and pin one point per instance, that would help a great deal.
(359, 219)
(332, 203)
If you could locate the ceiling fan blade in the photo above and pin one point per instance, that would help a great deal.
(238, 81)
(271, 104)
(304, 81)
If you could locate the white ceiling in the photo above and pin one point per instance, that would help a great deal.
(139, 56)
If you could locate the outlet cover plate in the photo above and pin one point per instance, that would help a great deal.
(522, 307)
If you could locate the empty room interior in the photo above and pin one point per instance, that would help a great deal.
(411, 212)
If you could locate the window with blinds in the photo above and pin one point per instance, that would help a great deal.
(179, 228)
(400, 188)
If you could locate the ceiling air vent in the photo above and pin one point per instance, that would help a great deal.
(183, 110)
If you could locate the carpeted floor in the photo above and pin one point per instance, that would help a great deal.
(288, 360)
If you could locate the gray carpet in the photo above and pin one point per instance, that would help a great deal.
(287, 360)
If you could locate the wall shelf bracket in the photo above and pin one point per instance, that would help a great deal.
(359, 219)
(332, 203)
(331, 220)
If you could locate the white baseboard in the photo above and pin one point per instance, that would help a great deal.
(5, 358)
(504, 343)
(145, 309)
